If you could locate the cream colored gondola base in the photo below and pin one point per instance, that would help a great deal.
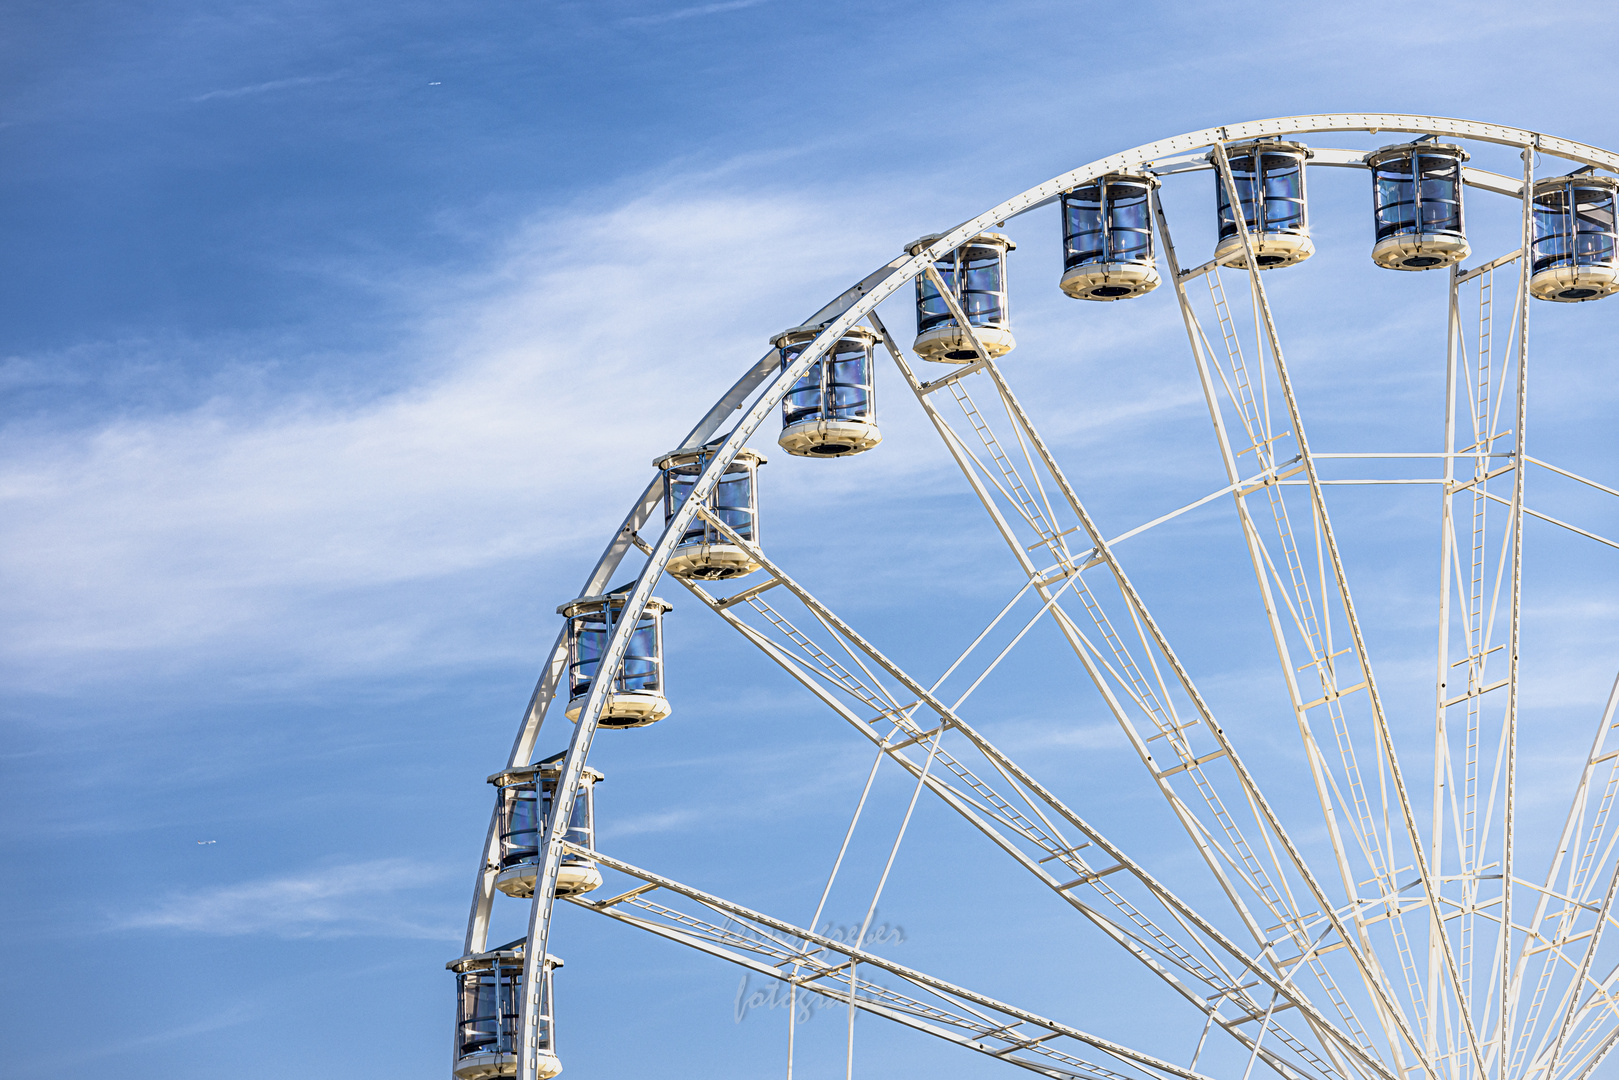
(1571, 284)
(1274, 249)
(489, 1066)
(829, 438)
(573, 879)
(950, 345)
(1413, 252)
(485, 1066)
(629, 708)
(1109, 281)
(710, 562)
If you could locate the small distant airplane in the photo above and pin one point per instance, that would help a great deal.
(207, 841)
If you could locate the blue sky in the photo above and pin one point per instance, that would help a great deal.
(334, 340)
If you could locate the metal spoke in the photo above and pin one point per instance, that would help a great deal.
(1088, 652)
(1088, 655)
(1090, 876)
(1256, 425)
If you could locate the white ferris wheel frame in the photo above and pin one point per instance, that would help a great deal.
(766, 383)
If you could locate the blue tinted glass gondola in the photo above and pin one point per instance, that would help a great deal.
(635, 698)
(832, 410)
(704, 552)
(1107, 238)
(523, 809)
(1269, 176)
(489, 1010)
(1417, 206)
(1575, 256)
(975, 274)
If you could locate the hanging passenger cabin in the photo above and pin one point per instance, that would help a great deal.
(524, 801)
(636, 696)
(1417, 205)
(1574, 255)
(704, 552)
(489, 1015)
(1107, 238)
(975, 274)
(1269, 176)
(831, 411)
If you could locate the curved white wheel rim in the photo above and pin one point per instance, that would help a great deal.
(1442, 1019)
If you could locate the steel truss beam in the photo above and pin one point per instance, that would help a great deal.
(1507, 1001)
(1265, 570)
(1382, 861)
(995, 817)
(1586, 841)
(1143, 622)
(790, 946)
(1093, 661)
(1483, 411)
(1148, 938)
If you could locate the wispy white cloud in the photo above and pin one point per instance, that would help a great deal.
(659, 822)
(356, 899)
(275, 537)
(269, 87)
(693, 12)
(231, 1016)
(1061, 733)
(531, 400)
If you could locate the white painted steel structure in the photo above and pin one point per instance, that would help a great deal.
(1422, 947)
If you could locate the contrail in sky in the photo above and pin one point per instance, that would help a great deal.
(266, 87)
(689, 12)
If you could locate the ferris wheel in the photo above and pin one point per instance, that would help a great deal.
(1397, 923)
